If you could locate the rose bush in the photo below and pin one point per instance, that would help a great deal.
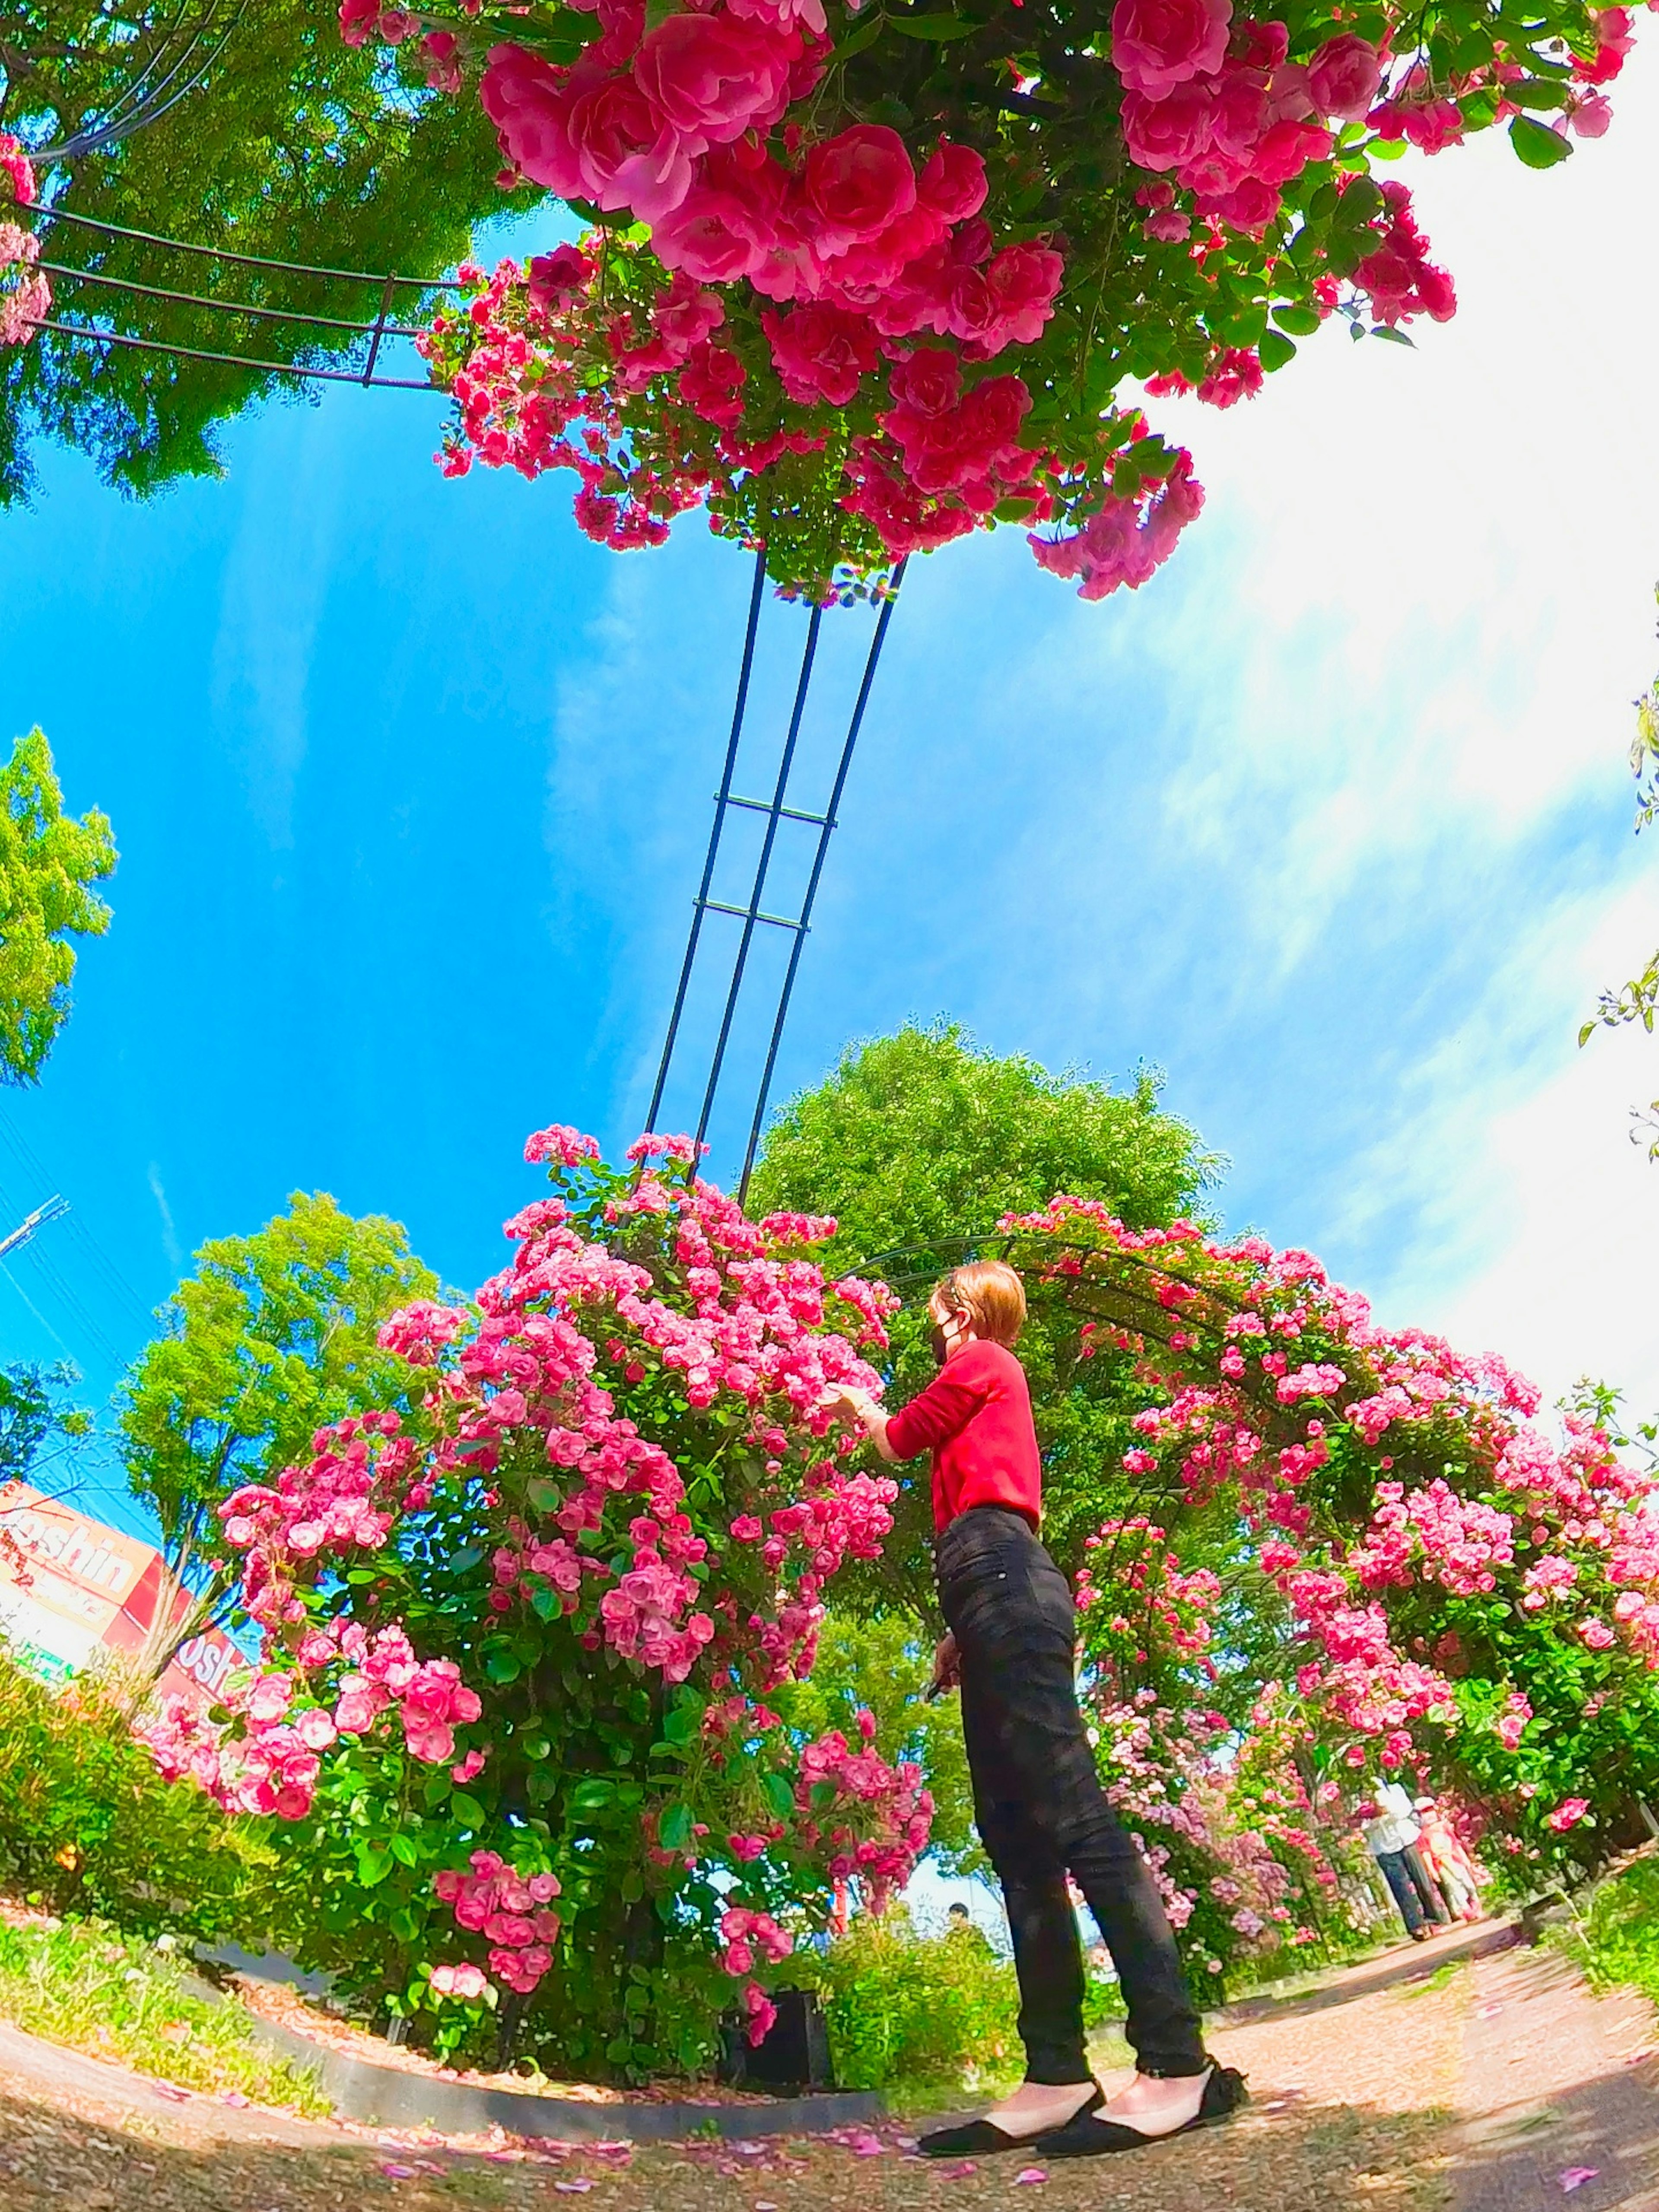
(796, 200)
(510, 1731)
(1344, 1551)
(25, 294)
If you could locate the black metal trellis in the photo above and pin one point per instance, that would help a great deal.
(150, 97)
(375, 332)
(775, 810)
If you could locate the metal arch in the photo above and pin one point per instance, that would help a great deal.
(777, 811)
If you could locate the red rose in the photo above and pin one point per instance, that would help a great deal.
(1024, 282)
(528, 100)
(711, 385)
(1159, 44)
(928, 381)
(854, 185)
(1240, 114)
(714, 79)
(1343, 76)
(953, 182)
(820, 352)
(629, 154)
(1164, 134)
(728, 223)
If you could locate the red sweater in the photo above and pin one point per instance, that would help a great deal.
(976, 1417)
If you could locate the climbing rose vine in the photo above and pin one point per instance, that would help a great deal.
(25, 294)
(861, 279)
(1344, 1551)
(518, 1724)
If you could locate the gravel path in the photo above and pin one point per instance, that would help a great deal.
(1492, 2084)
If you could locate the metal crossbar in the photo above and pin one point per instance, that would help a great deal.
(751, 913)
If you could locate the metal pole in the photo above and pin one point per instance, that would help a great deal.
(828, 826)
(765, 861)
(723, 794)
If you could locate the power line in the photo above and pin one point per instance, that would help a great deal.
(236, 359)
(239, 260)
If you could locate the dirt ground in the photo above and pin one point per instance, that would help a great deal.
(1351, 2108)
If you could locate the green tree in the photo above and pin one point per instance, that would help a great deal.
(272, 1338)
(48, 862)
(919, 1144)
(36, 1422)
(295, 147)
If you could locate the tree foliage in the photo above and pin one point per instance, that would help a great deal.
(35, 1415)
(919, 1144)
(296, 147)
(271, 1339)
(48, 863)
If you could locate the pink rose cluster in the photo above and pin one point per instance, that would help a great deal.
(861, 1778)
(24, 292)
(269, 1759)
(1214, 103)
(510, 1911)
(345, 1499)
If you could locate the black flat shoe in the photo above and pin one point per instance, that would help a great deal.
(984, 2139)
(1088, 2137)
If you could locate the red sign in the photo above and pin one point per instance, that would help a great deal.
(72, 1588)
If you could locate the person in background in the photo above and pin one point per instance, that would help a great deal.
(959, 1929)
(1391, 1832)
(1449, 1866)
(1037, 1799)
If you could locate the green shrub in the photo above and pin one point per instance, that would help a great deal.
(81, 1983)
(908, 2011)
(86, 1823)
(1616, 1937)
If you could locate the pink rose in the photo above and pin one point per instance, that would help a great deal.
(1164, 134)
(1024, 282)
(953, 182)
(820, 352)
(357, 21)
(713, 79)
(629, 153)
(1343, 76)
(1171, 227)
(928, 382)
(1159, 44)
(854, 185)
(1240, 114)
(729, 222)
(528, 100)
(784, 14)
(1588, 119)
(1250, 206)
(315, 1729)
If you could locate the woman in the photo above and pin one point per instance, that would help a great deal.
(1450, 1865)
(1037, 1799)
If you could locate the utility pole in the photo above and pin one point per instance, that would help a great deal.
(53, 1209)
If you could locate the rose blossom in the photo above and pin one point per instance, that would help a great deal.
(854, 185)
(820, 352)
(1159, 44)
(1343, 76)
(713, 79)
(1164, 134)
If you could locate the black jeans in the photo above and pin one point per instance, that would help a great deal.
(1040, 1810)
(1413, 1892)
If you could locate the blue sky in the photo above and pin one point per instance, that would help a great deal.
(1330, 821)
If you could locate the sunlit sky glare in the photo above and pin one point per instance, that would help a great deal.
(1330, 823)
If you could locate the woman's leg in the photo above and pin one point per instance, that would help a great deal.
(1047, 1954)
(1014, 1623)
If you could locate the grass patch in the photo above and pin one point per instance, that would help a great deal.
(117, 1996)
(1614, 1938)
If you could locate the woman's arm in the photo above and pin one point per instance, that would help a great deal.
(863, 1408)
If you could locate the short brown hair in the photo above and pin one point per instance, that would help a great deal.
(991, 1292)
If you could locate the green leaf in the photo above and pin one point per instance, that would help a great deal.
(855, 41)
(467, 1556)
(591, 1796)
(778, 1795)
(1535, 92)
(1539, 148)
(373, 1865)
(1275, 350)
(404, 1852)
(358, 1575)
(933, 27)
(467, 1808)
(674, 1826)
(1299, 322)
(501, 1665)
